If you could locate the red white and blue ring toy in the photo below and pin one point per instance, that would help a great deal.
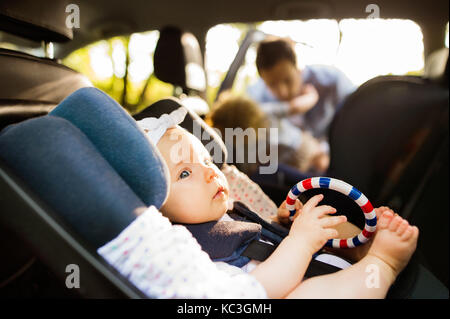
(346, 189)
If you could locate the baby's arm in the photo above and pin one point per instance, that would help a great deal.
(285, 268)
(165, 261)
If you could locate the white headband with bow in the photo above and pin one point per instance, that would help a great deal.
(155, 127)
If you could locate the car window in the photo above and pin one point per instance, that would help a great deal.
(122, 66)
(361, 48)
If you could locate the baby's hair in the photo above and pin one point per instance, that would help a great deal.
(273, 50)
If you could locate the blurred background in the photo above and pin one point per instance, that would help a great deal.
(122, 66)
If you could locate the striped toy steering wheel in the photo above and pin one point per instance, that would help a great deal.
(343, 188)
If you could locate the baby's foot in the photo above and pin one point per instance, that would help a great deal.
(361, 251)
(394, 242)
(380, 210)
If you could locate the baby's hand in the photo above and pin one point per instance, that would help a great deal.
(310, 228)
(283, 213)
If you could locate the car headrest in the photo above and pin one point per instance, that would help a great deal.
(32, 86)
(121, 142)
(29, 78)
(66, 171)
(43, 20)
(192, 123)
(178, 59)
(386, 125)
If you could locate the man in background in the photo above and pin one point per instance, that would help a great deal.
(309, 98)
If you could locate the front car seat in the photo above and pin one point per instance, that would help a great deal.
(390, 139)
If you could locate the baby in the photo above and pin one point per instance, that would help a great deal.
(199, 193)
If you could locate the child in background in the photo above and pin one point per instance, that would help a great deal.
(297, 148)
(199, 193)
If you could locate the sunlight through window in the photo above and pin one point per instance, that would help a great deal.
(366, 49)
(141, 48)
(222, 44)
(372, 47)
(101, 63)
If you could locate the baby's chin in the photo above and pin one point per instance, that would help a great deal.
(221, 212)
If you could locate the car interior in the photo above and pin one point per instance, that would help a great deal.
(60, 137)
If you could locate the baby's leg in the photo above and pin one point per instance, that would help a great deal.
(372, 276)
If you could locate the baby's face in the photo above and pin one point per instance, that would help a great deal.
(198, 189)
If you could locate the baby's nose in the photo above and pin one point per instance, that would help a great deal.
(210, 174)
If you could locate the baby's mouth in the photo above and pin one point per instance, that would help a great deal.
(221, 192)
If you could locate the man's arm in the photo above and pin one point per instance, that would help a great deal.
(278, 109)
(270, 105)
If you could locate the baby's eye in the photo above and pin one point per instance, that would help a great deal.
(184, 174)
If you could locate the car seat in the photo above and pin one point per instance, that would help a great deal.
(415, 282)
(70, 182)
(390, 139)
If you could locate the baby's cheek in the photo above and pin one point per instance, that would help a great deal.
(175, 203)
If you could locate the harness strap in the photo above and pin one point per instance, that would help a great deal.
(260, 251)
(319, 268)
